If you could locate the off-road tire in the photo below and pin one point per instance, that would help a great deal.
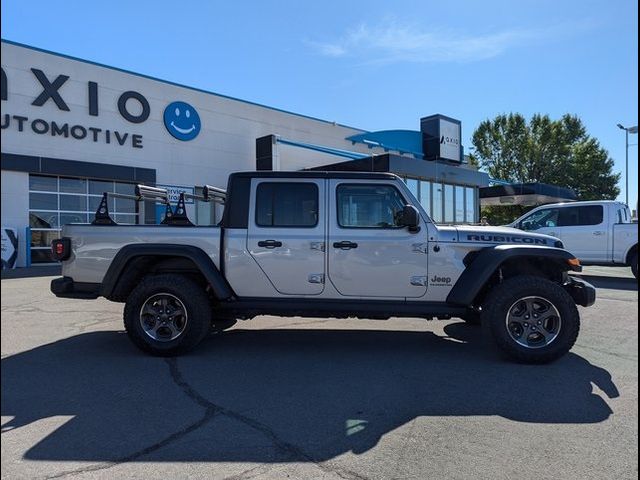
(634, 265)
(195, 301)
(503, 296)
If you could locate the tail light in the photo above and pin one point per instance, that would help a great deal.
(61, 248)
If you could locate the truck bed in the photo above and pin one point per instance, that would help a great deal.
(95, 246)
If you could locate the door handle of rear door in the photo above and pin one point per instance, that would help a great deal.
(269, 243)
(598, 232)
(345, 245)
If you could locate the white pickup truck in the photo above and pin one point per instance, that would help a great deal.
(597, 232)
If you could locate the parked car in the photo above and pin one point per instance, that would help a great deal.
(323, 244)
(598, 232)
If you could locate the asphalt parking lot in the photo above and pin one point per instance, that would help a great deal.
(298, 398)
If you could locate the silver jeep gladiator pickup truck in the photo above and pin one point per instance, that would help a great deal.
(322, 244)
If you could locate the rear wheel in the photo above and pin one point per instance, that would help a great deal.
(531, 319)
(634, 264)
(167, 314)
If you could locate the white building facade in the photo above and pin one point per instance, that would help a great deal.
(72, 129)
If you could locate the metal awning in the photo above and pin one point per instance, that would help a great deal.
(525, 194)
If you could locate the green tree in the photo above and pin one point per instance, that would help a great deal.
(558, 152)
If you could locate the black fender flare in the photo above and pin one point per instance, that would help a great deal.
(221, 288)
(486, 261)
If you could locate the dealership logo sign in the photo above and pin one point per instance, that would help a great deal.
(182, 121)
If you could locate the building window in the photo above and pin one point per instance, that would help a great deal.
(448, 204)
(470, 206)
(425, 196)
(57, 201)
(412, 183)
(459, 204)
(436, 205)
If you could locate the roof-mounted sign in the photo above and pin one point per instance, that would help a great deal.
(441, 138)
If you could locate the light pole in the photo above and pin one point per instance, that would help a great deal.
(627, 131)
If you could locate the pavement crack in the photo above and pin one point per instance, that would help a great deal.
(211, 410)
(291, 451)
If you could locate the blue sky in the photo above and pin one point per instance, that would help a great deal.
(370, 64)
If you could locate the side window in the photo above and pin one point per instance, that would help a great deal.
(369, 206)
(280, 204)
(580, 216)
(542, 218)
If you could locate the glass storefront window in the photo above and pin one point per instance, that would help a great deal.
(412, 183)
(98, 187)
(448, 204)
(124, 205)
(470, 205)
(436, 212)
(74, 203)
(73, 218)
(43, 238)
(425, 196)
(126, 188)
(43, 201)
(73, 185)
(459, 209)
(43, 184)
(69, 200)
(43, 219)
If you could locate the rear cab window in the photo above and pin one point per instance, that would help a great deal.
(286, 205)
(580, 216)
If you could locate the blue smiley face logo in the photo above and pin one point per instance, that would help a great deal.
(182, 121)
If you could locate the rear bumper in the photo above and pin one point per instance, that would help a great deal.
(583, 293)
(65, 287)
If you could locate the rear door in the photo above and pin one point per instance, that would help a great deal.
(368, 254)
(584, 231)
(286, 233)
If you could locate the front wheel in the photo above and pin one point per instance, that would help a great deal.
(167, 314)
(634, 265)
(531, 319)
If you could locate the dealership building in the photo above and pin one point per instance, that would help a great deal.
(73, 129)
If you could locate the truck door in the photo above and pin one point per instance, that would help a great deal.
(368, 254)
(286, 233)
(584, 232)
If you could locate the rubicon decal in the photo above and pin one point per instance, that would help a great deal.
(506, 239)
(182, 121)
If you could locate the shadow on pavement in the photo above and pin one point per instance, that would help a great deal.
(278, 395)
(615, 283)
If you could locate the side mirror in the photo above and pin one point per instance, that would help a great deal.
(410, 218)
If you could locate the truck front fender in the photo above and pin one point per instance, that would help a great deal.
(484, 263)
(221, 288)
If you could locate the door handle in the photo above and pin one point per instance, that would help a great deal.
(598, 232)
(345, 245)
(269, 243)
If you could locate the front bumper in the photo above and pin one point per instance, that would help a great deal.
(65, 287)
(583, 293)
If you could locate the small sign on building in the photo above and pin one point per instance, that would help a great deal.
(9, 248)
(174, 192)
(441, 138)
